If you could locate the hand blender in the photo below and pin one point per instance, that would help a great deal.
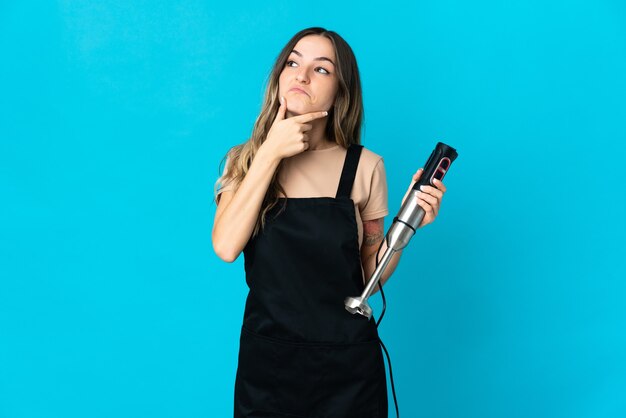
(404, 224)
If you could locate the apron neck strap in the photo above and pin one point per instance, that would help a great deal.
(349, 170)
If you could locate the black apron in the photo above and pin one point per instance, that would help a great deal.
(301, 353)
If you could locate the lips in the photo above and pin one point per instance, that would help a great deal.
(298, 90)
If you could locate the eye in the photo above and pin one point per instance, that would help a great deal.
(292, 63)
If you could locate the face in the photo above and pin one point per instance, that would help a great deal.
(309, 80)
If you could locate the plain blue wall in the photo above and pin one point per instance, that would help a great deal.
(115, 115)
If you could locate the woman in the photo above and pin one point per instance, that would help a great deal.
(306, 202)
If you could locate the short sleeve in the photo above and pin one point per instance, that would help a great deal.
(376, 205)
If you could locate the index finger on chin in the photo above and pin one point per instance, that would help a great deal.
(308, 117)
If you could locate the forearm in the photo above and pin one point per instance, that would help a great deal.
(369, 265)
(233, 228)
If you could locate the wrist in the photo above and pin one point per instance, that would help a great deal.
(267, 155)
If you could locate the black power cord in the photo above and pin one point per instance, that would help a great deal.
(380, 318)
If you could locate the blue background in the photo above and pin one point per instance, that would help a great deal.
(115, 115)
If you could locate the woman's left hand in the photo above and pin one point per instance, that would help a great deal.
(429, 198)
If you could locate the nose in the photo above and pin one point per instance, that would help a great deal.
(302, 76)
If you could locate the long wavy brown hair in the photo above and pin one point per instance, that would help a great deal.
(343, 126)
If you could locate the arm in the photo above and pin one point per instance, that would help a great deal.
(237, 211)
(373, 235)
(373, 231)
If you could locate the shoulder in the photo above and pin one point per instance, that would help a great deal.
(369, 154)
(370, 161)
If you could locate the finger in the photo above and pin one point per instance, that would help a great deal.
(282, 109)
(308, 117)
(432, 191)
(439, 185)
(418, 174)
(305, 127)
(430, 199)
(426, 206)
(415, 178)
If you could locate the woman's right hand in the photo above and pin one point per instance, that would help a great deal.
(289, 136)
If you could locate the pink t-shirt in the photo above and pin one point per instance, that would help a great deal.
(316, 173)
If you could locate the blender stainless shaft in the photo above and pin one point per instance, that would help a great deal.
(398, 237)
(405, 224)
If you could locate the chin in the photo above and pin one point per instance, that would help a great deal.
(301, 107)
(299, 110)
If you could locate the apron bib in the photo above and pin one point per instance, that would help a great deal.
(301, 354)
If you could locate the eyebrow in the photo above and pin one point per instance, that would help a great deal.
(315, 59)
